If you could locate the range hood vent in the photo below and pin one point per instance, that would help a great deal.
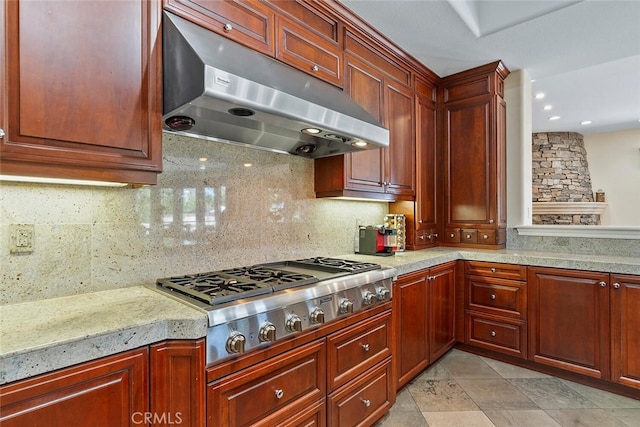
(217, 89)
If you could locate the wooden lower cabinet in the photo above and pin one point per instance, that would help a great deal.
(625, 330)
(113, 391)
(424, 306)
(364, 400)
(270, 392)
(569, 320)
(177, 380)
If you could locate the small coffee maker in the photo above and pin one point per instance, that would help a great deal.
(377, 240)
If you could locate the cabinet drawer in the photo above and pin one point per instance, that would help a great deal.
(496, 334)
(270, 392)
(313, 416)
(452, 235)
(490, 269)
(364, 400)
(469, 235)
(359, 347)
(487, 237)
(496, 296)
(426, 236)
(247, 22)
(308, 52)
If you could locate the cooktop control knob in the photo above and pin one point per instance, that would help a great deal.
(294, 323)
(368, 298)
(317, 316)
(383, 294)
(235, 343)
(346, 306)
(267, 332)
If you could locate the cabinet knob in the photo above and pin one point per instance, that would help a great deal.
(493, 333)
(365, 347)
(493, 296)
(419, 221)
(421, 237)
(452, 235)
(1, 133)
(468, 236)
(616, 285)
(491, 221)
(435, 235)
(485, 236)
(603, 284)
(279, 393)
(227, 27)
(493, 269)
(366, 402)
(314, 68)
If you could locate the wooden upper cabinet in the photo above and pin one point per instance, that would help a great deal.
(388, 173)
(473, 115)
(109, 392)
(309, 40)
(247, 22)
(83, 90)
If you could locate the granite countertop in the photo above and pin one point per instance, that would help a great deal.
(41, 336)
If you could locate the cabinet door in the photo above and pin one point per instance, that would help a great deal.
(365, 169)
(426, 181)
(400, 161)
(569, 320)
(625, 330)
(470, 181)
(178, 380)
(84, 89)
(441, 310)
(110, 392)
(410, 307)
(248, 22)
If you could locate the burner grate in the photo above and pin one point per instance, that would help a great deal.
(345, 264)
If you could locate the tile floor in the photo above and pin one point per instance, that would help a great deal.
(465, 390)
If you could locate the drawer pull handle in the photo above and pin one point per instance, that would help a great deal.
(493, 269)
(227, 27)
(493, 333)
(603, 284)
(315, 68)
(616, 285)
(452, 235)
(279, 393)
(468, 236)
(485, 237)
(366, 402)
(493, 296)
(365, 347)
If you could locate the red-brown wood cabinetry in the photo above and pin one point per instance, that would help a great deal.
(83, 90)
(473, 114)
(625, 329)
(387, 173)
(424, 309)
(569, 320)
(113, 391)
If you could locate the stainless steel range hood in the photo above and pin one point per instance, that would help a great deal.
(217, 89)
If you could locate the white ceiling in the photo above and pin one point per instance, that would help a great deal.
(584, 55)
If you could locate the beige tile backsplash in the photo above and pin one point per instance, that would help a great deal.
(239, 206)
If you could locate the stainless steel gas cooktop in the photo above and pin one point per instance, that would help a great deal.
(251, 307)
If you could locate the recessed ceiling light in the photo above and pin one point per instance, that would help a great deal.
(360, 144)
(247, 165)
(554, 117)
(539, 95)
(547, 107)
(586, 122)
(202, 159)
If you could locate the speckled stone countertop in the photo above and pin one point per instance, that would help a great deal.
(406, 262)
(41, 336)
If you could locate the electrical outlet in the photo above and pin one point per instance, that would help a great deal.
(21, 238)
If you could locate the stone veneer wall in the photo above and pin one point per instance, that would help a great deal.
(560, 173)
